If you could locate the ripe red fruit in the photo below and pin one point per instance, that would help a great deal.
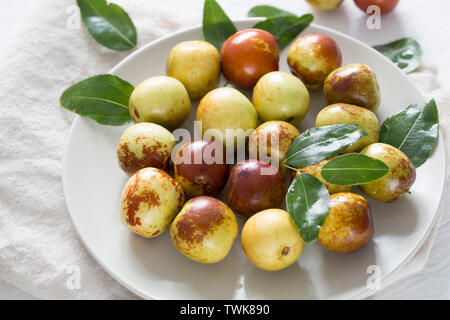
(254, 186)
(248, 55)
(386, 6)
(200, 167)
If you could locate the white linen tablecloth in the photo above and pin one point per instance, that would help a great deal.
(38, 244)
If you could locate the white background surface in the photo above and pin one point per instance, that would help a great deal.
(12, 16)
(431, 29)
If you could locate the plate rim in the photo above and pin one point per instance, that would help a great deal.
(363, 292)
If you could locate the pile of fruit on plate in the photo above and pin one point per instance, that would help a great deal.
(251, 153)
(204, 228)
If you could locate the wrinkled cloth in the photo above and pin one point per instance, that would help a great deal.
(39, 247)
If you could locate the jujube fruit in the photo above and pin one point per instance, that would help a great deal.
(204, 230)
(253, 186)
(150, 201)
(271, 240)
(144, 145)
(271, 142)
(312, 57)
(200, 167)
(385, 6)
(325, 4)
(161, 100)
(353, 84)
(281, 96)
(228, 116)
(348, 226)
(343, 113)
(197, 65)
(248, 55)
(400, 178)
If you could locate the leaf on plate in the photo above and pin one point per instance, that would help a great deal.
(353, 169)
(285, 28)
(109, 24)
(103, 98)
(406, 53)
(268, 11)
(217, 26)
(414, 131)
(317, 144)
(308, 203)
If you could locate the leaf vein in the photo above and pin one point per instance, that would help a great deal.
(101, 99)
(410, 130)
(110, 23)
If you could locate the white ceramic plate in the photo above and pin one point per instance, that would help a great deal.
(154, 269)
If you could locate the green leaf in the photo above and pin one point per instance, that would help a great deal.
(268, 11)
(414, 131)
(103, 98)
(285, 28)
(406, 53)
(317, 144)
(308, 203)
(353, 169)
(217, 26)
(109, 24)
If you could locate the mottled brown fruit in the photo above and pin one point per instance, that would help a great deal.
(248, 55)
(400, 178)
(315, 170)
(204, 230)
(150, 201)
(144, 145)
(343, 113)
(254, 186)
(353, 84)
(271, 141)
(312, 57)
(349, 225)
(200, 167)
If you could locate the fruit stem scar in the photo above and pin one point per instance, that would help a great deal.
(285, 251)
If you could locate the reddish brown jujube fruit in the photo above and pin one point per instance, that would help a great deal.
(254, 186)
(248, 55)
(200, 167)
(385, 6)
